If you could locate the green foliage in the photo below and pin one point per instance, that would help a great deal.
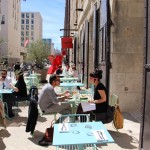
(38, 51)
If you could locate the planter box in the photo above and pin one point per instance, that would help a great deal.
(43, 73)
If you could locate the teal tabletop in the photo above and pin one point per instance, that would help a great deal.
(78, 131)
(71, 84)
(6, 91)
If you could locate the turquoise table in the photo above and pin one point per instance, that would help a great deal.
(80, 134)
(71, 84)
(69, 79)
(6, 91)
(71, 101)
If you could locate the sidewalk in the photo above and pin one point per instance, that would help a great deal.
(15, 137)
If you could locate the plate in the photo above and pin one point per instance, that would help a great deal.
(83, 96)
(69, 98)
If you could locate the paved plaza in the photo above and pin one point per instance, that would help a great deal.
(15, 137)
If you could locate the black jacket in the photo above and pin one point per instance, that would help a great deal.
(32, 116)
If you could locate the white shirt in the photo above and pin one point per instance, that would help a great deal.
(7, 82)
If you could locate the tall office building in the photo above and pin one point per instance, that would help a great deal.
(10, 30)
(49, 43)
(31, 27)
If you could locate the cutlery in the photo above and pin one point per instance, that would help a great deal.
(100, 135)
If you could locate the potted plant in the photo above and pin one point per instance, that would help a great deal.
(38, 53)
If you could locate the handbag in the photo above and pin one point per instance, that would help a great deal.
(48, 136)
(118, 118)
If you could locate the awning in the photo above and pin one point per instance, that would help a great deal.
(63, 52)
(66, 42)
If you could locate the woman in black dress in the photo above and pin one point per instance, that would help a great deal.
(20, 89)
(100, 92)
(100, 95)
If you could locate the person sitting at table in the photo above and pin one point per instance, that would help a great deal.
(20, 89)
(73, 72)
(59, 70)
(100, 95)
(7, 98)
(66, 70)
(5, 80)
(49, 100)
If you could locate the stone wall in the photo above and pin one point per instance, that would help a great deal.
(127, 36)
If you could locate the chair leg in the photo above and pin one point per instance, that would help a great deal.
(6, 113)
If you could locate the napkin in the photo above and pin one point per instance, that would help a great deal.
(64, 127)
(100, 135)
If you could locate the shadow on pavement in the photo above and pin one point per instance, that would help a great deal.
(17, 122)
(2, 145)
(37, 137)
(124, 140)
(3, 134)
(41, 119)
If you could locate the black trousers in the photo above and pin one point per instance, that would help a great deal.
(9, 100)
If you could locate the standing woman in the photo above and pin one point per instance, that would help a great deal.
(20, 89)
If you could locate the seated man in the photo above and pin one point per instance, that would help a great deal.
(73, 72)
(5, 82)
(49, 100)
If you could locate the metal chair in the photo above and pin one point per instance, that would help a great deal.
(52, 113)
(114, 101)
(72, 118)
(107, 117)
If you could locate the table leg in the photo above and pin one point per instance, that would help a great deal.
(80, 147)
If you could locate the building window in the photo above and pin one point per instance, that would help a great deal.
(32, 33)
(22, 27)
(27, 27)
(27, 15)
(22, 21)
(32, 27)
(22, 44)
(22, 39)
(32, 21)
(27, 33)
(22, 15)
(32, 38)
(27, 21)
(32, 15)
(22, 33)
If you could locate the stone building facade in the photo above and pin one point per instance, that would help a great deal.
(10, 30)
(109, 35)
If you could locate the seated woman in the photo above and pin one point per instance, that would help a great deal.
(100, 94)
(20, 89)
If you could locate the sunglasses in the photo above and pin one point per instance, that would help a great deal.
(57, 80)
(3, 73)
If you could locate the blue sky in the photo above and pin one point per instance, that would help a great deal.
(52, 12)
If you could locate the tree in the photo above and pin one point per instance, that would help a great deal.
(38, 52)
